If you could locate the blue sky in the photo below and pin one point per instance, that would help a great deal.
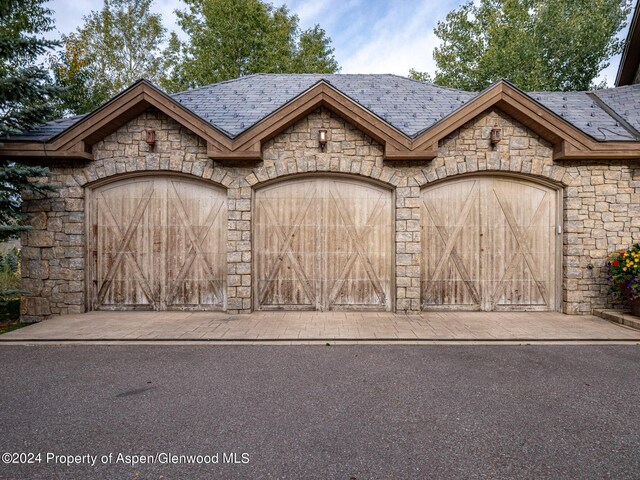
(369, 36)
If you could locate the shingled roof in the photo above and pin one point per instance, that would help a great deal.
(409, 106)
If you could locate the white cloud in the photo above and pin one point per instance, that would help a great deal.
(68, 13)
(403, 39)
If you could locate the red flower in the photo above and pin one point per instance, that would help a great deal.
(616, 263)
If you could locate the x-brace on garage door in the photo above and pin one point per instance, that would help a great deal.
(323, 244)
(157, 242)
(490, 243)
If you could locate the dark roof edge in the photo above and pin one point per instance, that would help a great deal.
(202, 87)
(427, 83)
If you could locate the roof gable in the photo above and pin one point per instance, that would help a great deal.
(569, 142)
(407, 105)
(234, 118)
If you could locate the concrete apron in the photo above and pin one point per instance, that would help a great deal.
(322, 327)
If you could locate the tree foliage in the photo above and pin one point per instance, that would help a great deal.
(112, 49)
(25, 86)
(17, 180)
(231, 38)
(536, 44)
(420, 76)
(26, 93)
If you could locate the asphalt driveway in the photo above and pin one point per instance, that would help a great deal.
(321, 412)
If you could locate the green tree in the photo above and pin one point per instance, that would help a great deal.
(231, 38)
(313, 53)
(26, 94)
(420, 76)
(536, 44)
(112, 49)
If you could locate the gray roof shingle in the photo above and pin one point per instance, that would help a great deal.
(48, 130)
(407, 105)
(582, 111)
(625, 101)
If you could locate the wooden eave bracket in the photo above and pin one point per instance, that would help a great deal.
(39, 151)
(394, 154)
(598, 151)
(254, 153)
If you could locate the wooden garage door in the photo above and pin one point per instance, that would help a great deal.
(489, 243)
(323, 244)
(158, 243)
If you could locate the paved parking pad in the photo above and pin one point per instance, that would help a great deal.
(322, 326)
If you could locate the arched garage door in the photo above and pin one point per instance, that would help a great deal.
(323, 244)
(158, 243)
(489, 243)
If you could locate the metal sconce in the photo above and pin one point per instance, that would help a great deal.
(496, 135)
(322, 138)
(150, 138)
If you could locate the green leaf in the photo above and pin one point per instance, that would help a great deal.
(548, 45)
(231, 38)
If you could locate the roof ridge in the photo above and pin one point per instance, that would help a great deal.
(635, 86)
(231, 80)
(431, 84)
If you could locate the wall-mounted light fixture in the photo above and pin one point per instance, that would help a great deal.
(322, 138)
(150, 138)
(496, 135)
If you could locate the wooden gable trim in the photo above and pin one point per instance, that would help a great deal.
(75, 142)
(129, 105)
(247, 145)
(569, 142)
(517, 105)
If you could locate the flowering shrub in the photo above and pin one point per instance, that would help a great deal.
(624, 272)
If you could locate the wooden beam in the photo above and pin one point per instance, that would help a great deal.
(14, 150)
(253, 153)
(323, 95)
(392, 154)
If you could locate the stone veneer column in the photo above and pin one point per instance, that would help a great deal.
(239, 248)
(408, 248)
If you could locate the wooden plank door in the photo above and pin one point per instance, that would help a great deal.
(287, 236)
(520, 246)
(358, 246)
(489, 243)
(451, 245)
(323, 244)
(158, 243)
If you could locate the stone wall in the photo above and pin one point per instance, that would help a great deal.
(601, 201)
